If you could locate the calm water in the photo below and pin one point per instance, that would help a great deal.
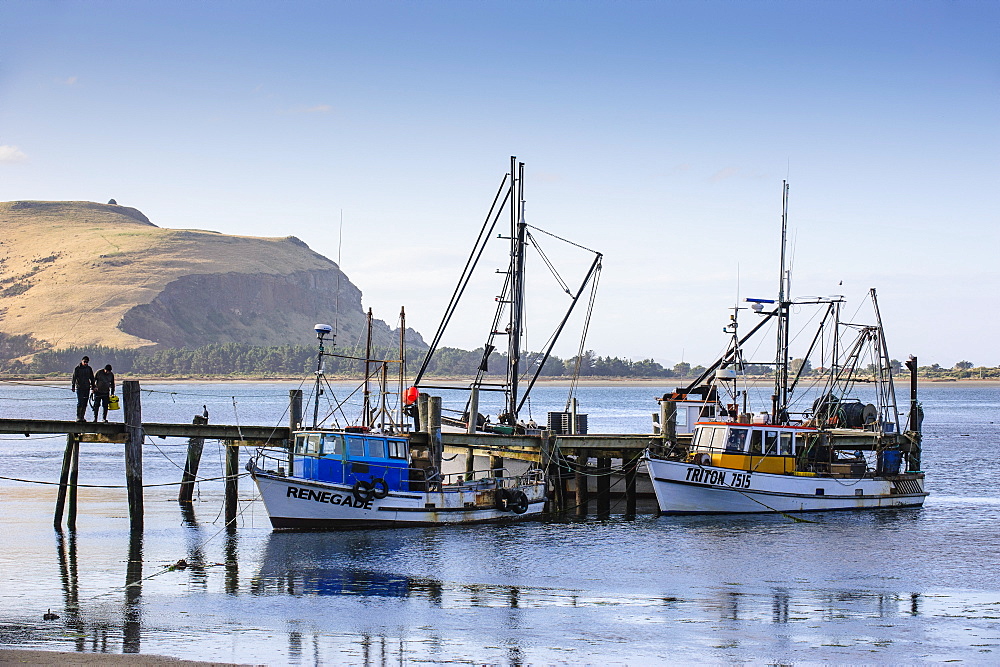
(893, 586)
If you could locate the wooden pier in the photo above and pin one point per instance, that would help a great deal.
(567, 458)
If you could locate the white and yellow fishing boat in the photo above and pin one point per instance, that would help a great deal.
(735, 467)
(820, 449)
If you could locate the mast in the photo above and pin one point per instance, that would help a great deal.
(366, 410)
(402, 363)
(780, 397)
(517, 228)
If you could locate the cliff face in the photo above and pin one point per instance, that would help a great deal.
(80, 273)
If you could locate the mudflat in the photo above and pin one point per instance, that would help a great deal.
(23, 657)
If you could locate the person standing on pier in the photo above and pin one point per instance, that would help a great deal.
(83, 383)
(104, 389)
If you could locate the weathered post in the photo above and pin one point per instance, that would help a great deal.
(67, 463)
(422, 416)
(603, 486)
(232, 481)
(195, 448)
(133, 451)
(470, 464)
(74, 474)
(434, 430)
(582, 486)
(294, 423)
(668, 421)
(473, 422)
(915, 418)
(630, 472)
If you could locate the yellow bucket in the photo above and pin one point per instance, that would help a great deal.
(113, 403)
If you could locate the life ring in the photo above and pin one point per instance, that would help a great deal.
(703, 459)
(380, 488)
(519, 501)
(363, 491)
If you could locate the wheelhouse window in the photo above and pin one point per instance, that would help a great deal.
(770, 442)
(756, 437)
(787, 444)
(712, 438)
(737, 440)
(396, 449)
(356, 447)
(333, 444)
(308, 443)
(376, 447)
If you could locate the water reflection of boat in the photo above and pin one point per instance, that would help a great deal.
(775, 460)
(303, 565)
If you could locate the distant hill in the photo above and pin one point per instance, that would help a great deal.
(75, 274)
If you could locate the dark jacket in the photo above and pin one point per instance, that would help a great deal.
(104, 382)
(83, 378)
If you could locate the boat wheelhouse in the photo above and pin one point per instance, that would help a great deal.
(351, 479)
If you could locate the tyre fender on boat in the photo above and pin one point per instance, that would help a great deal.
(363, 491)
(518, 503)
(380, 488)
(501, 499)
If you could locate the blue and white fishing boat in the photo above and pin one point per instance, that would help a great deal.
(382, 472)
(356, 477)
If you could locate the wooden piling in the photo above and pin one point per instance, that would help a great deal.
(434, 430)
(131, 396)
(582, 486)
(232, 482)
(603, 486)
(470, 463)
(195, 448)
(496, 465)
(422, 412)
(473, 422)
(74, 473)
(67, 463)
(631, 467)
(668, 421)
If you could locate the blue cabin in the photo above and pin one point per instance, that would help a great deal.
(346, 458)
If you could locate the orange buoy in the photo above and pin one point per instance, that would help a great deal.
(410, 397)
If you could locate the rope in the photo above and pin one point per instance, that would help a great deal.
(115, 486)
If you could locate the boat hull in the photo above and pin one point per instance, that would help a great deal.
(297, 504)
(687, 488)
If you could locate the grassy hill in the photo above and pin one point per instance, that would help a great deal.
(74, 274)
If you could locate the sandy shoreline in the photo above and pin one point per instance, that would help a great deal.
(16, 656)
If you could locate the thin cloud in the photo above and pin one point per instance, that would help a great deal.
(68, 81)
(12, 154)
(319, 108)
(723, 174)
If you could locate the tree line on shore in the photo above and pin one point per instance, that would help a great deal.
(19, 355)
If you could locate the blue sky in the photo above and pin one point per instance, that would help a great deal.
(655, 132)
